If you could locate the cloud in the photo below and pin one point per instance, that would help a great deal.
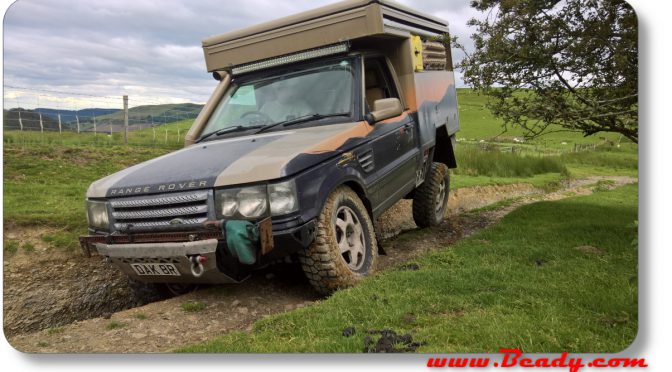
(148, 49)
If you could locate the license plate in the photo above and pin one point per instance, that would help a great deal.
(155, 269)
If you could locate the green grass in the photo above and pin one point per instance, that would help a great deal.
(169, 136)
(477, 123)
(55, 330)
(474, 161)
(529, 287)
(10, 246)
(193, 306)
(140, 316)
(28, 247)
(61, 239)
(45, 185)
(115, 325)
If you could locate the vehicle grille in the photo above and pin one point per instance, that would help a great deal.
(166, 211)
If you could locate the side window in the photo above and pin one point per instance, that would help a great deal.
(378, 82)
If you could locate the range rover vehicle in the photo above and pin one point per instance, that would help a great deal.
(320, 122)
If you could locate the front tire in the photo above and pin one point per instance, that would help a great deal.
(177, 289)
(345, 249)
(430, 200)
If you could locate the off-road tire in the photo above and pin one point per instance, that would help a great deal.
(176, 289)
(146, 292)
(428, 210)
(323, 263)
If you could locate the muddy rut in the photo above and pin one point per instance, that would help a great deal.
(66, 303)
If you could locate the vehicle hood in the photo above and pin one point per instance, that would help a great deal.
(233, 161)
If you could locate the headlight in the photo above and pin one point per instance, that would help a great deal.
(97, 214)
(283, 198)
(246, 202)
(253, 201)
(227, 202)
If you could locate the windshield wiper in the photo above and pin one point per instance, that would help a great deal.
(301, 119)
(235, 128)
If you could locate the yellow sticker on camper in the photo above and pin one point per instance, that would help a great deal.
(416, 42)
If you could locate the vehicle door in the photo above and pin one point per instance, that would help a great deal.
(395, 144)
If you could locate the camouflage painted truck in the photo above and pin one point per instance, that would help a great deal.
(320, 122)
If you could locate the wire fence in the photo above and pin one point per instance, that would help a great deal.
(47, 115)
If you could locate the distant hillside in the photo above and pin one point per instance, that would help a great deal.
(30, 119)
(68, 116)
(153, 114)
(106, 119)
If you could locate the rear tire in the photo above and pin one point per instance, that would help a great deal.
(345, 249)
(430, 200)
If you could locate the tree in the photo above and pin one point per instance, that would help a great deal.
(550, 63)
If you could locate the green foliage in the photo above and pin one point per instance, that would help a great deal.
(115, 325)
(11, 246)
(193, 306)
(545, 64)
(603, 185)
(63, 240)
(28, 247)
(609, 159)
(474, 160)
(521, 283)
(55, 330)
(140, 316)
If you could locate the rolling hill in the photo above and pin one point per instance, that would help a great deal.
(106, 120)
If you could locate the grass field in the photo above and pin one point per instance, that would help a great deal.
(169, 136)
(550, 277)
(45, 185)
(477, 123)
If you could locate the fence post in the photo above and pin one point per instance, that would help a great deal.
(178, 135)
(125, 120)
(166, 136)
(60, 128)
(94, 126)
(20, 121)
(77, 118)
(153, 135)
(41, 124)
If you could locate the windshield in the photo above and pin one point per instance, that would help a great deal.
(319, 90)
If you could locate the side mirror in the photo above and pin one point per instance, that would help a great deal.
(384, 109)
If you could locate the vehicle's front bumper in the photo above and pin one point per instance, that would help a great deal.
(180, 249)
(178, 254)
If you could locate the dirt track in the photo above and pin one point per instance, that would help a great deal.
(85, 295)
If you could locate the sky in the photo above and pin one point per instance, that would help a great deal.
(149, 50)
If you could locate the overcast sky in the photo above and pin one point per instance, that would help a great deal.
(148, 49)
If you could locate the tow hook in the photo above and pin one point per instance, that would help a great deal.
(197, 265)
